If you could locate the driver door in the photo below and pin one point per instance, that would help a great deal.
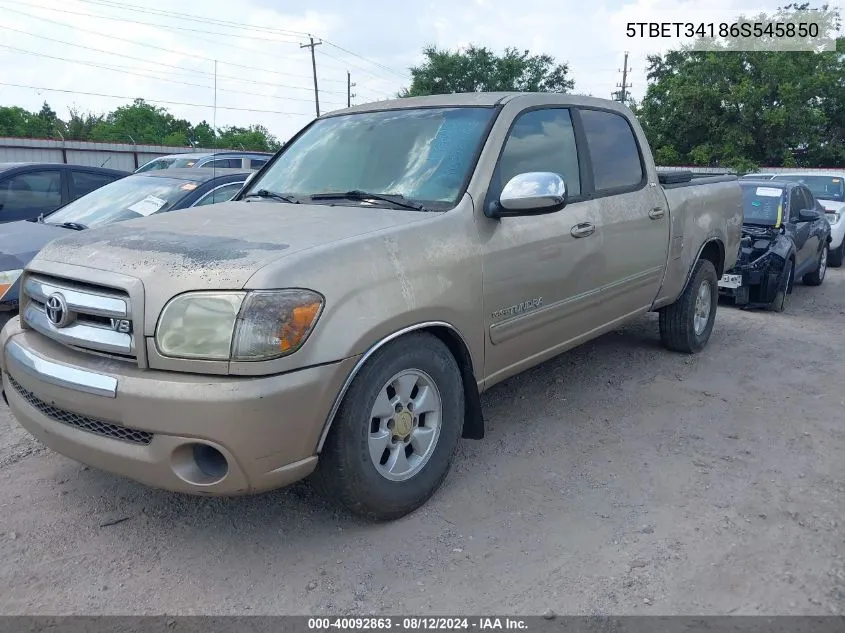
(805, 251)
(540, 272)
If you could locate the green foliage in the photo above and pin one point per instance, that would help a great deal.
(478, 69)
(139, 122)
(743, 109)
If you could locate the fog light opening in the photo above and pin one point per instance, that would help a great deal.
(199, 464)
(210, 461)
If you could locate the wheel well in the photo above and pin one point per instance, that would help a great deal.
(473, 419)
(714, 251)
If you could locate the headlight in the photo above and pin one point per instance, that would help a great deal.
(246, 326)
(7, 280)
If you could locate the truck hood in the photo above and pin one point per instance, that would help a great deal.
(832, 205)
(20, 241)
(216, 246)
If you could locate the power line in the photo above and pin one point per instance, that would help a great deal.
(180, 28)
(230, 24)
(182, 103)
(153, 46)
(140, 59)
(174, 81)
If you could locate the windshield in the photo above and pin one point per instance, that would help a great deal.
(167, 163)
(762, 205)
(824, 187)
(124, 199)
(423, 154)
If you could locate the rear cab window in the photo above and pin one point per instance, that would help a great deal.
(614, 154)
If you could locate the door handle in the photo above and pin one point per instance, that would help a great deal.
(656, 213)
(582, 230)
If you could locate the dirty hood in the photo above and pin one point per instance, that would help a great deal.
(216, 246)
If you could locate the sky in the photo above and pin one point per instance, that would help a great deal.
(95, 55)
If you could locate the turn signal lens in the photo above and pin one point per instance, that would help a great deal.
(275, 323)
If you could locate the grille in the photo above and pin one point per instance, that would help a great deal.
(82, 422)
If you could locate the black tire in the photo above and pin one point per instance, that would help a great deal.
(781, 300)
(677, 329)
(345, 471)
(834, 258)
(816, 278)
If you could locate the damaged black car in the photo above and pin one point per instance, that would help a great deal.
(785, 236)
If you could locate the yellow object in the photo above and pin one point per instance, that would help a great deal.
(780, 212)
(295, 328)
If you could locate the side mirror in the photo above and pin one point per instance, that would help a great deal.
(531, 193)
(808, 215)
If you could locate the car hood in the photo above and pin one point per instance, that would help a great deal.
(218, 246)
(832, 205)
(20, 241)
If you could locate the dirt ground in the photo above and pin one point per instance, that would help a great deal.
(616, 479)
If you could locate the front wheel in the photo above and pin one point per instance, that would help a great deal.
(781, 299)
(686, 325)
(834, 258)
(392, 442)
(816, 277)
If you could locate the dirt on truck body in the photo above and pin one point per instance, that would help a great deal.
(341, 316)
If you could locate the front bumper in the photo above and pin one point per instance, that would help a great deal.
(747, 285)
(197, 434)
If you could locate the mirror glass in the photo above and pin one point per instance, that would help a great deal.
(533, 191)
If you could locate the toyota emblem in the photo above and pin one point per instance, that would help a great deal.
(57, 312)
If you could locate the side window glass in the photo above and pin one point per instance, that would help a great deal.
(796, 203)
(224, 163)
(542, 140)
(86, 182)
(613, 150)
(222, 194)
(257, 163)
(35, 190)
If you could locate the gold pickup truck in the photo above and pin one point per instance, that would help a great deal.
(340, 317)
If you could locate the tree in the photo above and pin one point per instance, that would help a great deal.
(744, 108)
(139, 121)
(478, 69)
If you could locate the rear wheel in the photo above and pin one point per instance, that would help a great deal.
(686, 325)
(394, 437)
(816, 277)
(781, 299)
(834, 258)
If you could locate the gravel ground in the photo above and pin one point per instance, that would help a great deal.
(615, 479)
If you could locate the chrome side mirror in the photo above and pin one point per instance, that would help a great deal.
(532, 193)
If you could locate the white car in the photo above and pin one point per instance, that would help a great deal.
(829, 190)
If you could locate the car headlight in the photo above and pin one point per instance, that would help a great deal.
(246, 326)
(7, 280)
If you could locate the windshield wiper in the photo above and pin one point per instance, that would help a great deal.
(76, 226)
(394, 198)
(264, 193)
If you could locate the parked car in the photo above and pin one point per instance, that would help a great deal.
(217, 160)
(346, 310)
(784, 237)
(30, 189)
(135, 196)
(829, 190)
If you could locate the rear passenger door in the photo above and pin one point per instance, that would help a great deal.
(84, 182)
(632, 216)
(27, 194)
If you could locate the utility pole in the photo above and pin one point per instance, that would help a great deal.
(349, 94)
(314, 68)
(622, 93)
